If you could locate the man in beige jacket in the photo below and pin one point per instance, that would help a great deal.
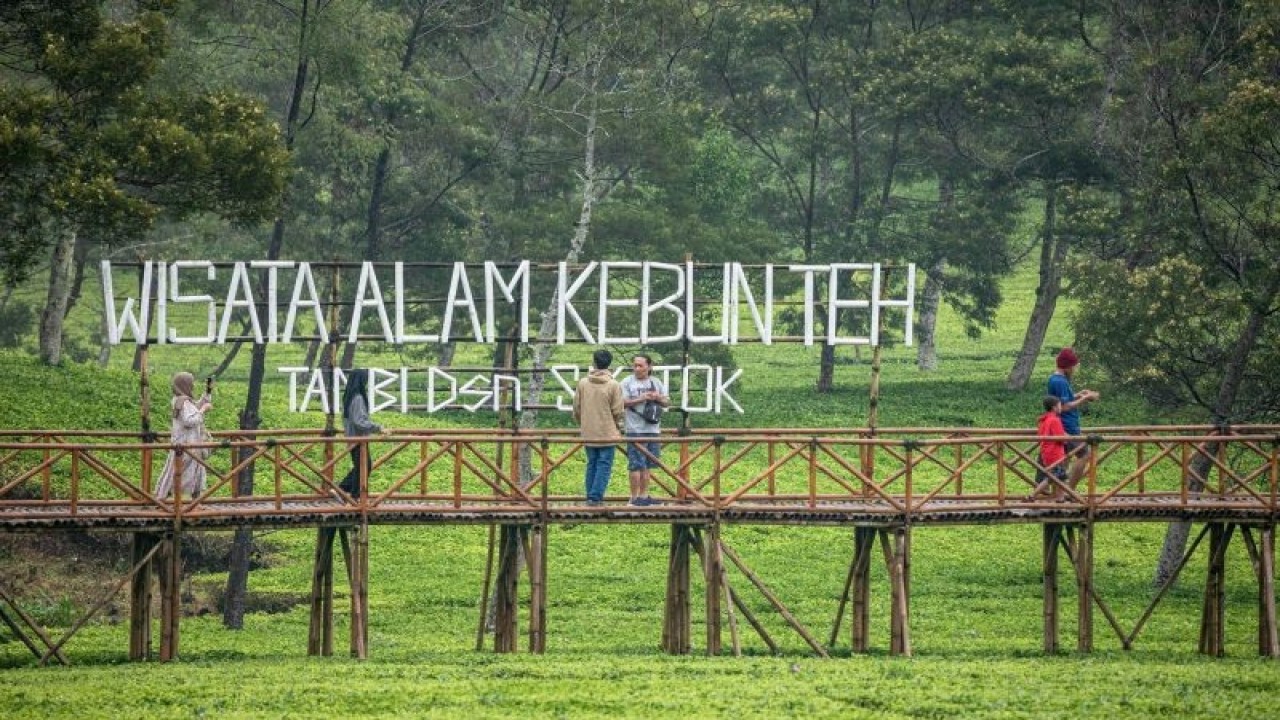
(598, 410)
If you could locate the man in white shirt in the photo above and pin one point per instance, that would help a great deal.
(643, 448)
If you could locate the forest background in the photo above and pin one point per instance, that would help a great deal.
(1014, 151)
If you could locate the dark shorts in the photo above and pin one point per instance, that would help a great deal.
(637, 460)
(1058, 471)
(1072, 452)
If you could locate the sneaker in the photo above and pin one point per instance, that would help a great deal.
(595, 503)
(650, 502)
(636, 502)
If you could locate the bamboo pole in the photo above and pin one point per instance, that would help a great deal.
(170, 591)
(713, 572)
(1084, 587)
(18, 633)
(730, 614)
(1102, 605)
(751, 619)
(864, 544)
(31, 624)
(326, 636)
(360, 591)
(1268, 640)
(506, 615)
(75, 627)
(676, 625)
(844, 596)
(1049, 548)
(737, 602)
(140, 597)
(774, 601)
(320, 630)
(538, 596)
(900, 590)
(1213, 614)
(485, 592)
(873, 391)
(1173, 577)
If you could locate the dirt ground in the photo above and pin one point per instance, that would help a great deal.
(57, 577)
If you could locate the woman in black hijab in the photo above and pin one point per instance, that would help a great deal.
(355, 424)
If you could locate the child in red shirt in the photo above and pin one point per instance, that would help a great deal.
(1053, 453)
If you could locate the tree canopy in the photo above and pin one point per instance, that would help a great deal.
(87, 146)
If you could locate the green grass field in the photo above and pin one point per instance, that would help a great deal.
(975, 617)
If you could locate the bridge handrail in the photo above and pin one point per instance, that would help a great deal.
(892, 475)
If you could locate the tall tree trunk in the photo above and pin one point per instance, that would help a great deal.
(241, 547)
(313, 352)
(1053, 253)
(926, 326)
(78, 259)
(250, 419)
(55, 306)
(1175, 538)
(541, 349)
(348, 356)
(447, 351)
(826, 369)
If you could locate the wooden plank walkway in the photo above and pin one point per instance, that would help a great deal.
(314, 512)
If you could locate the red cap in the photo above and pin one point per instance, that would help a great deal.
(1067, 358)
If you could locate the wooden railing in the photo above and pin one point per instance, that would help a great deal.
(902, 473)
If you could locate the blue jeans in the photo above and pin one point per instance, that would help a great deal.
(599, 467)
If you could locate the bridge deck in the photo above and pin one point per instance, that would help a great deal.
(217, 515)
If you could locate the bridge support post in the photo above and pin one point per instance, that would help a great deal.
(355, 550)
(1084, 587)
(1213, 614)
(677, 621)
(1052, 537)
(170, 595)
(536, 551)
(713, 571)
(506, 630)
(1268, 642)
(899, 561)
(140, 597)
(320, 634)
(864, 541)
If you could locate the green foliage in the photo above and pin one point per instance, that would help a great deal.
(90, 149)
(16, 320)
(1190, 314)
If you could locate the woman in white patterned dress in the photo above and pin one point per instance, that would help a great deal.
(186, 426)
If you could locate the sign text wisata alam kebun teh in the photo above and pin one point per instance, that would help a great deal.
(658, 299)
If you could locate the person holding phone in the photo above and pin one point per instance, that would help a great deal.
(186, 426)
(642, 429)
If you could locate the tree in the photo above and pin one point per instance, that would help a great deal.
(90, 149)
(1191, 316)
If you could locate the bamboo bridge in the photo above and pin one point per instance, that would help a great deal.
(879, 483)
